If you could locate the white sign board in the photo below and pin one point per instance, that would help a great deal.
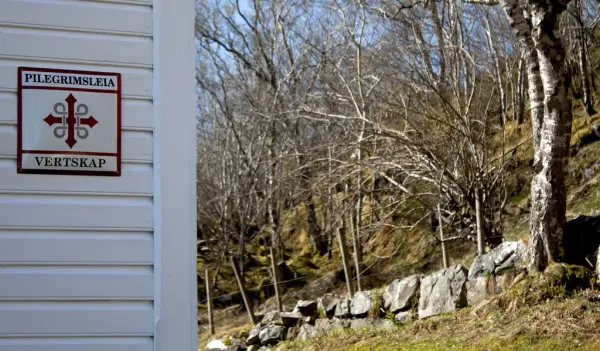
(69, 122)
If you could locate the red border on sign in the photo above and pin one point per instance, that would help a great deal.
(20, 150)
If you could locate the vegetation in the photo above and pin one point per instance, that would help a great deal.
(399, 125)
(558, 323)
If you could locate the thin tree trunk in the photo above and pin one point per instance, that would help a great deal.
(344, 253)
(445, 260)
(585, 77)
(520, 107)
(548, 193)
(494, 53)
(522, 30)
(479, 220)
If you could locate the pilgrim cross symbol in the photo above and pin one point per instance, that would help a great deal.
(72, 120)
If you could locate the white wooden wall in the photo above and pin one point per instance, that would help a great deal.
(84, 265)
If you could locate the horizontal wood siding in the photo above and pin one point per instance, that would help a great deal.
(135, 180)
(75, 283)
(57, 318)
(77, 344)
(77, 16)
(68, 247)
(101, 49)
(77, 252)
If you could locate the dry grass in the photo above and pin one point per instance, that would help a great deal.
(559, 323)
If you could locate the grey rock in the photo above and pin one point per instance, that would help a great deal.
(342, 308)
(383, 324)
(401, 294)
(216, 345)
(287, 319)
(327, 304)
(361, 323)
(443, 291)
(272, 334)
(375, 323)
(290, 319)
(506, 256)
(264, 348)
(272, 318)
(237, 345)
(482, 266)
(477, 290)
(291, 334)
(253, 338)
(361, 303)
(338, 323)
(323, 325)
(306, 308)
(306, 331)
(404, 317)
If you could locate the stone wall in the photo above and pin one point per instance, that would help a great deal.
(416, 296)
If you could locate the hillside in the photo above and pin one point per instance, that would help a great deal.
(392, 254)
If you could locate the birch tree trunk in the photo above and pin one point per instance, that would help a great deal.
(583, 65)
(551, 118)
(520, 108)
(548, 193)
(498, 71)
(521, 27)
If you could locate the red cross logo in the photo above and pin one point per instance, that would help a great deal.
(71, 120)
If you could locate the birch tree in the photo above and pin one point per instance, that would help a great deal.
(536, 26)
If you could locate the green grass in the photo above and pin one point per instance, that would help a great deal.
(364, 340)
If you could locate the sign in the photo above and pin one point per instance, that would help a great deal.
(69, 122)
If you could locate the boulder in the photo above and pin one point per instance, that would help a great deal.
(376, 323)
(443, 291)
(477, 290)
(287, 319)
(291, 334)
(306, 331)
(404, 317)
(361, 303)
(342, 308)
(508, 256)
(504, 257)
(361, 323)
(402, 294)
(306, 308)
(290, 319)
(327, 304)
(271, 334)
(216, 345)
(253, 338)
(323, 325)
(237, 345)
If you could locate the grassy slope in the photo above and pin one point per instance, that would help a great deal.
(555, 325)
(584, 197)
(565, 323)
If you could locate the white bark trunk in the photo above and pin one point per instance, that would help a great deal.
(548, 195)
(551, 118)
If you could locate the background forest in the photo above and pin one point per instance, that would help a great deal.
(373, 123)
